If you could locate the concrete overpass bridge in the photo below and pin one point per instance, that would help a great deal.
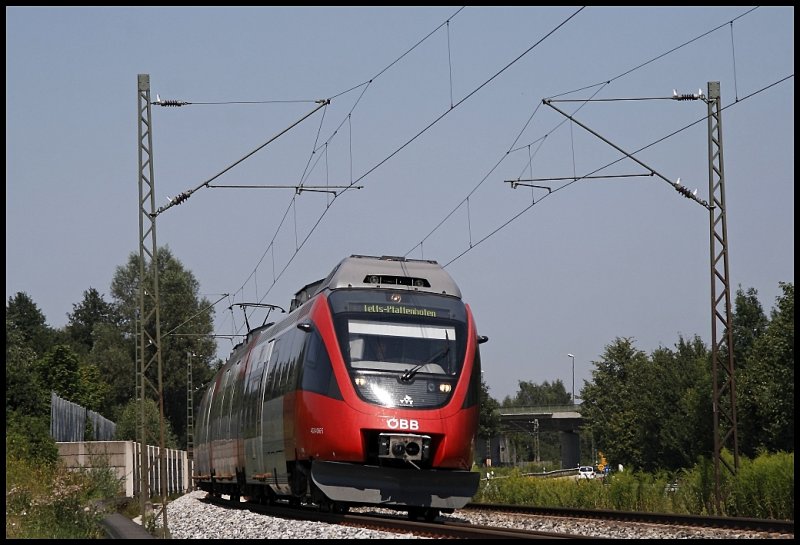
(564, 419)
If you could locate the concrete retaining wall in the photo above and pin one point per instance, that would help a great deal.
(123, 458)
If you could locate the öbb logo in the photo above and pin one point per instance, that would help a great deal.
(402, 424)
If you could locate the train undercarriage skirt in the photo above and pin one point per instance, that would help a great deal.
(344, 482)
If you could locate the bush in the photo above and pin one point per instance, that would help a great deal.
(28, 438)
(45, 500)
(762, 488)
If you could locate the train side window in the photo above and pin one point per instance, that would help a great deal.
(317, 369)
(474, 391)
(234, 407)
(291, 342)
(271, 388)
(205, 431)
(220, 407)
(280, 366)
(297, 370)
(286, 360)
(252, 387)
(296, 360)
(266, 376)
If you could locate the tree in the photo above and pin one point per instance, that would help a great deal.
(539, 395)
(489, 422)
(680, 393)
(749, 323)
(27, 403)
(25, 392)
(113, 354)
(59, 372)
(611, 401)
(186, 321)
(690, 430)
(85, 316)
(126, 425)
(92, 388)
(766, 383)
(652, 412)
(24, 317)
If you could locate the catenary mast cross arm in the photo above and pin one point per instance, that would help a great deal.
(679, 188)
(186, 194)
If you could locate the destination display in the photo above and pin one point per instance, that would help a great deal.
(400, 309)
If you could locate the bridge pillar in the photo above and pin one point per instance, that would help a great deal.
(570, 449)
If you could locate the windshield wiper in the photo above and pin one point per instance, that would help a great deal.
(409, 374)
(443, 353)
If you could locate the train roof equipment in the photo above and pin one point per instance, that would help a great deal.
(390, 272)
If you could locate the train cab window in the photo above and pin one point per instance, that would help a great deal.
(401, 350)
(393, 346)
(356, 348)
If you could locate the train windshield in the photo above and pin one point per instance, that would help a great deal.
(401, 348)
(396, 345)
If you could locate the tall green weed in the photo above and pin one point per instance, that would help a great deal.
(762, 488)
(49, 501)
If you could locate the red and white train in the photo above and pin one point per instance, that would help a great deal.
(367, 393)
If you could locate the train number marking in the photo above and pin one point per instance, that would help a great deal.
(402, 424)
(317, 431)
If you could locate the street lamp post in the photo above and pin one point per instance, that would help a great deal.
(573, 377)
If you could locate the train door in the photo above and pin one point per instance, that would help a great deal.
(202, 454)
(251, 409)
(229, 432)
(220, 461)
(259, 466)
(272, 440)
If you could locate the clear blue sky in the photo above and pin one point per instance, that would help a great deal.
(595, 260)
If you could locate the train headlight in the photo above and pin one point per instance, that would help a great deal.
(445, 387)
(360, 381)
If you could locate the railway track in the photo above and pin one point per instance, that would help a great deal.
(666, 519)
(456, 526)
(200, 517)
(396, 523)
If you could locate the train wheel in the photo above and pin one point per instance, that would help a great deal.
(425, 513)
(266, 496)
(328, 506)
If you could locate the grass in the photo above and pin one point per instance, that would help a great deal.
(45, 500)
(762, 488)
